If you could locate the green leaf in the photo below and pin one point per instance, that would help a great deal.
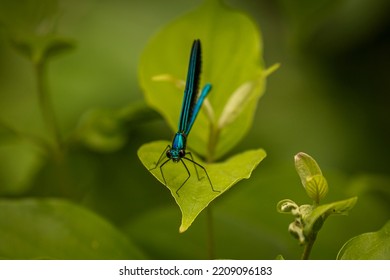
(31, 28)
(20, 161)
(287, 206)
(232, 63)
(239, 100)
(196, 194)
(368, 246)
(316, 187)
(41, 48)
(314, 219)
(100, 130)
(311, 176)
(106, 130)
(306, 167)
(56, 229)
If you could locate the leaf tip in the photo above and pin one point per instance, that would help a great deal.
(182, 229)
(271, 69)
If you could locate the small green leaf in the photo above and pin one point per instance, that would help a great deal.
(41, 48)
(100, 130)
(196, 194)
(368, 246)
(31, 25)
(306, 167)
(106, 130)
(296, 230)
(232, 63)
(20, 161)
(313, 221)
(240, 99)
(316, 187)
(311, 177)
(54, 45)
(287, 206)
(56, 229)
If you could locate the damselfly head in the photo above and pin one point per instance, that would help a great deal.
(175, 155)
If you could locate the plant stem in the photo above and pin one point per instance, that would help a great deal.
(210, 234)
(212, 143)
(308, 247)
(46, 105)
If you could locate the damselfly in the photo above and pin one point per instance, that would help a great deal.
(190, 109)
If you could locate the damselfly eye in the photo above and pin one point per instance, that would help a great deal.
(169, 155)
(182, 153)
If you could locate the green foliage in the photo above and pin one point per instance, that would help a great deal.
(31, 28)
(234, 69)
(311, 177)
(39, 49)
(106, 130)
(238, 78)
(75, 188)
(197, 194)
(313, 221)
(309, 219)
(20, 161)
(368, 246)
(56, 229)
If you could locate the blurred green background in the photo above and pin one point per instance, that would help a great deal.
(330, 98)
